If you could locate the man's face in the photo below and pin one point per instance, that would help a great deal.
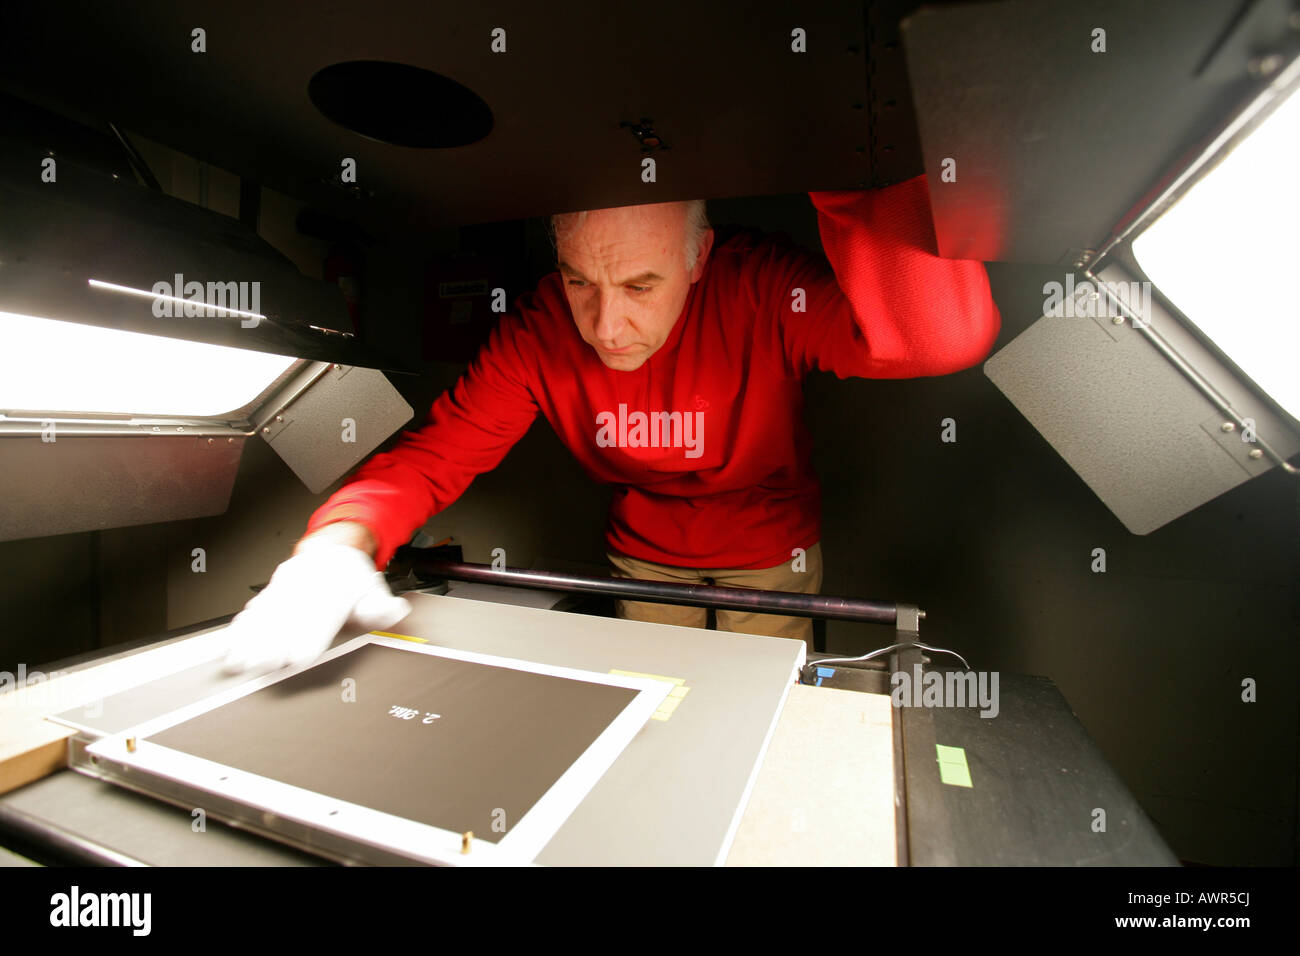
(626, 280)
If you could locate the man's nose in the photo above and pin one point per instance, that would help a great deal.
(608, 322)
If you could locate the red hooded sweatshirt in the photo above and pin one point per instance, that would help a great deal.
(705, 443)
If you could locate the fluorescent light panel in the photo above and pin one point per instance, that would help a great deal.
(1226, 254)
(48, 365)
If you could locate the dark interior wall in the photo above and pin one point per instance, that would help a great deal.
(49, 602)
(993, 535)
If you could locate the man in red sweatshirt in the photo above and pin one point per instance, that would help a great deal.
(672, 369)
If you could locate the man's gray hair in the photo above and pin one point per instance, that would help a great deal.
(697, 224)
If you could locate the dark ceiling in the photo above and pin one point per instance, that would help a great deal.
(741, 113)
(1056, 143)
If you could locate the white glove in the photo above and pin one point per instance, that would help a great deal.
(295, 618)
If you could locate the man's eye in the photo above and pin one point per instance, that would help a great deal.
(577, 282)
(639, 288)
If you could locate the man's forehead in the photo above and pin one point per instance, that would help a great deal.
(642, 229)
(666, 217)
(648, 276)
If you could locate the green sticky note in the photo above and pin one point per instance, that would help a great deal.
(950, 754)
(953, 769)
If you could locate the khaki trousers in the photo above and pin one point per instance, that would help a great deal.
(783, 577)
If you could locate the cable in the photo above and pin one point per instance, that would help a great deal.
(885, 650)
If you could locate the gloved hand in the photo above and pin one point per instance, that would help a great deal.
(295, 618)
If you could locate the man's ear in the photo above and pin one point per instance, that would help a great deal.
(706, 243)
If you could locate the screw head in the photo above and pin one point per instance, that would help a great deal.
(1266, 65)
(1118, 320)
(1255, 453)
(1228, 427)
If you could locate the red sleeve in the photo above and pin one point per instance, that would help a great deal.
(891, 308)
(469, 429)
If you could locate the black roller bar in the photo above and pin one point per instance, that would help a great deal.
(792, 603)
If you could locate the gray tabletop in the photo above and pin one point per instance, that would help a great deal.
(672, 798)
